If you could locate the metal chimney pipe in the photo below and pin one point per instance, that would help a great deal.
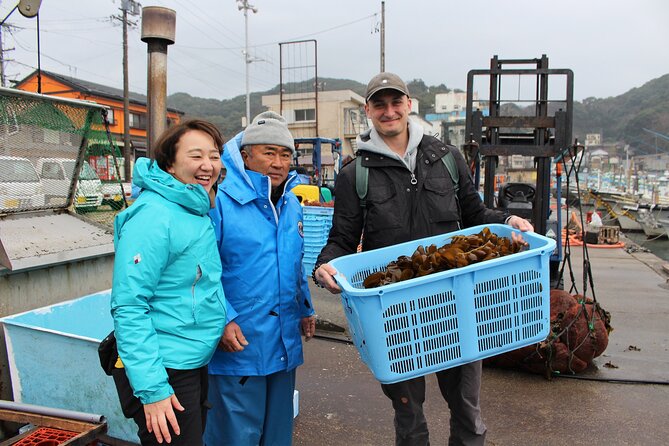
(158, 31)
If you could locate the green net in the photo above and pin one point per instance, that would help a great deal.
(57, 154)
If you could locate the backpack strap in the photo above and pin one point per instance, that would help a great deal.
(449, 162)
(361, 181)
(362, 176)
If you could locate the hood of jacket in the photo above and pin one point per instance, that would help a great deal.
(371, 141)
(193, 197)
(246, 185)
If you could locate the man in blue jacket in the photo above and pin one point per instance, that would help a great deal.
(258, 223)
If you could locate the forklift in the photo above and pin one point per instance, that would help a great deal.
(521, 118)
(320, 190)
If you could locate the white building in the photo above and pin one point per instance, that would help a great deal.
(451, 101)
(428, 127)
(341, 115)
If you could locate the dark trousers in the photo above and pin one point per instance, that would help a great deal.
(460, 387)
(190, 387)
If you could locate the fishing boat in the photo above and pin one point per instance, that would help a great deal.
(627, 219)
(651, 224)
(665, 225)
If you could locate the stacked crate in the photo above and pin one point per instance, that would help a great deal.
(317, 222)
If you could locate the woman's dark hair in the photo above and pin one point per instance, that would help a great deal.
(166, 146)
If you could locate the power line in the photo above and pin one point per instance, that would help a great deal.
(283, 40)
(320, 32)
(235, 37)
(200, 29)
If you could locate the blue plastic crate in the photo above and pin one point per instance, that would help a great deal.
(316, 225)
(409, 329)
(308, 266)
(317, 222)
(315, 242)
(318, 211)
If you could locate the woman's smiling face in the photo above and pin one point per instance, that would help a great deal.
(197, 160)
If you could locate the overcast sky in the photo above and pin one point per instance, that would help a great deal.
(611, 45)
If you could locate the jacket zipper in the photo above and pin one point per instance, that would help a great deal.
(414, 193)
(198, 276)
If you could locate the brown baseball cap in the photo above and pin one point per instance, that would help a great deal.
(385, 80)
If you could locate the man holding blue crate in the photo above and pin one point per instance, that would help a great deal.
(258, 226)
(404, 186)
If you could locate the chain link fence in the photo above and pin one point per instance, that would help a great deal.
(57, 154)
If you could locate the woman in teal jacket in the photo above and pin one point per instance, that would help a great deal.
(259, 233)
(167, 301)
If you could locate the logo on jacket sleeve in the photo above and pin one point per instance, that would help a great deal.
(137, 258)
(300, 228)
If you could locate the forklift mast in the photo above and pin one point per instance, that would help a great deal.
(520, 118)
(317, 143)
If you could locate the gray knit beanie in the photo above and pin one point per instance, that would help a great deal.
(268, 128)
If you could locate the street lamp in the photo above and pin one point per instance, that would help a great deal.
(28, 9)
(244, 5)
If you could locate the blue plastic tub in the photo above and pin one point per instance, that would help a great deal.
(53, 360)
(409, 329)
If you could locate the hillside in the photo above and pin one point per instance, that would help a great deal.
(227, 114)
(620, 118)
(623, 118)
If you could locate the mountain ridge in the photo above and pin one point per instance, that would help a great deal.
(619, 118)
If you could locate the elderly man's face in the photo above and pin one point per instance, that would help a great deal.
(273, 161)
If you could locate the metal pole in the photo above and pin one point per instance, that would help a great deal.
(281, 79)
(247, 62)
(10, 13)
(244, 4)
(39, 65)
(52, 412)
(316, 81)
(2, 60)
(127, 152)
(158, 31)
(383, 36)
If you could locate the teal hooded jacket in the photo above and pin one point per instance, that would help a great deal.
(261, 247)
(167, 300)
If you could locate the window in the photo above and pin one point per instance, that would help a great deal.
(138, 121)
(306, 114)
(51, 136)
(18, 170)
(134, 120)
(110, 116)
(52, 171)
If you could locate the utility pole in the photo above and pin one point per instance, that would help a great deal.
(244, 5)
(383, 36)
(2, 61)
(128, 7)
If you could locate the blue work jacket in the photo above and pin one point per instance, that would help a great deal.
(261, 248)
(167, 301)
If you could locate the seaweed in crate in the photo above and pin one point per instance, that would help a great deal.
(463, 250)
